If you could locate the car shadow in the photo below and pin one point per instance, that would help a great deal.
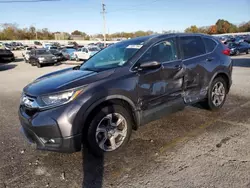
(241, 62)
(93, 166)
(18, 60)
(93, 169)
(5, 67)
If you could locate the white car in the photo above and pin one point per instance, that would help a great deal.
(85, 53)
(26, 54)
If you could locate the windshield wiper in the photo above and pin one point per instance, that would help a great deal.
(77, 67)
(89, 69)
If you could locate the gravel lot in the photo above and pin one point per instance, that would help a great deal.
(191, 148)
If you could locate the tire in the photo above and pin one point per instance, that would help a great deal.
(33, 63)
(39, 65)
(237, 52)
(208, 103)
(248, 50)
(100, 118)
(77, 59)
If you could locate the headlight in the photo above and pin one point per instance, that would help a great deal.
(41, 58)
(60, 98)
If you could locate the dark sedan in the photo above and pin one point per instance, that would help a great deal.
(6, 56)
(40, 57)
(237, 48)
(58, 54)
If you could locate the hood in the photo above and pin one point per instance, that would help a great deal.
(64, 80)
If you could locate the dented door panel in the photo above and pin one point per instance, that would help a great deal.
(160, 91)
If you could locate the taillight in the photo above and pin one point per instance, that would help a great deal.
(226, 51)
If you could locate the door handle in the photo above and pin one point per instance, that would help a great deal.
(210, 59)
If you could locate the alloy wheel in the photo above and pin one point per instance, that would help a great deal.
(218, 94)
(111, 132)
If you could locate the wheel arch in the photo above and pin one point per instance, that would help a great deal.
(111, 100)
(225, 76)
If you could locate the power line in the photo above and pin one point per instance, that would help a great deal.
(26, 1)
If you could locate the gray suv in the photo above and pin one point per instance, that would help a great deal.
(122, 87)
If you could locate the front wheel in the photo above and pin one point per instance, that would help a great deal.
(39, 65)
(237, 52)
(77, 59)
(248, 50)
(109, 130)
(217, 94)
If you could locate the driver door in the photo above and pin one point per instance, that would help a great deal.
(160, 89)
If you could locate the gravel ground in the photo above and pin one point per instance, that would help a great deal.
(191, 148)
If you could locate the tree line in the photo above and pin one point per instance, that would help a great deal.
(220, 27)
(10, 31)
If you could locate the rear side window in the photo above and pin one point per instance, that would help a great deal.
(192, 46)
(210, 44)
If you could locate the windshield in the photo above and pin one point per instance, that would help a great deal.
(70, 50)
(54, 51)
(42, 52)
(114, 56)
(93, 49)
(53, 47)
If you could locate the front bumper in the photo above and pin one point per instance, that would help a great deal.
(41, 129)
(48, 61)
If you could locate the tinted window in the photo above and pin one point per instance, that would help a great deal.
(162, 52)
(192, 46)
(210, 44)
(244, 44)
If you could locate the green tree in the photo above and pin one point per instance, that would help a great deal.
(224, 26)
(192, 29)
(76, 32)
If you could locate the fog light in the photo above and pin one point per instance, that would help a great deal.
(48, 141)
(52, 141)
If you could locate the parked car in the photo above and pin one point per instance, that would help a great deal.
(237, 48)
(26, 54)
(86, 52)
(40, 57)
(52, 48)
(100, 45)
(57, 53)
(7, 46)
(122, 87)
(6, 56)
(247, 39)
(37, 43)
(68, 53)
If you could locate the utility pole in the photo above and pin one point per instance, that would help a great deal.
(104, 22)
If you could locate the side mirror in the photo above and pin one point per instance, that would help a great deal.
(150, 65)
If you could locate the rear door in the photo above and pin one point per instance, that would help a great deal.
(194, 57)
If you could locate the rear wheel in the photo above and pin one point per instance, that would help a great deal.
(216, 95)
(109, 130)
(248, 50)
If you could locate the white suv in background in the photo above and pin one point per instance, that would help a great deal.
(85, 53)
